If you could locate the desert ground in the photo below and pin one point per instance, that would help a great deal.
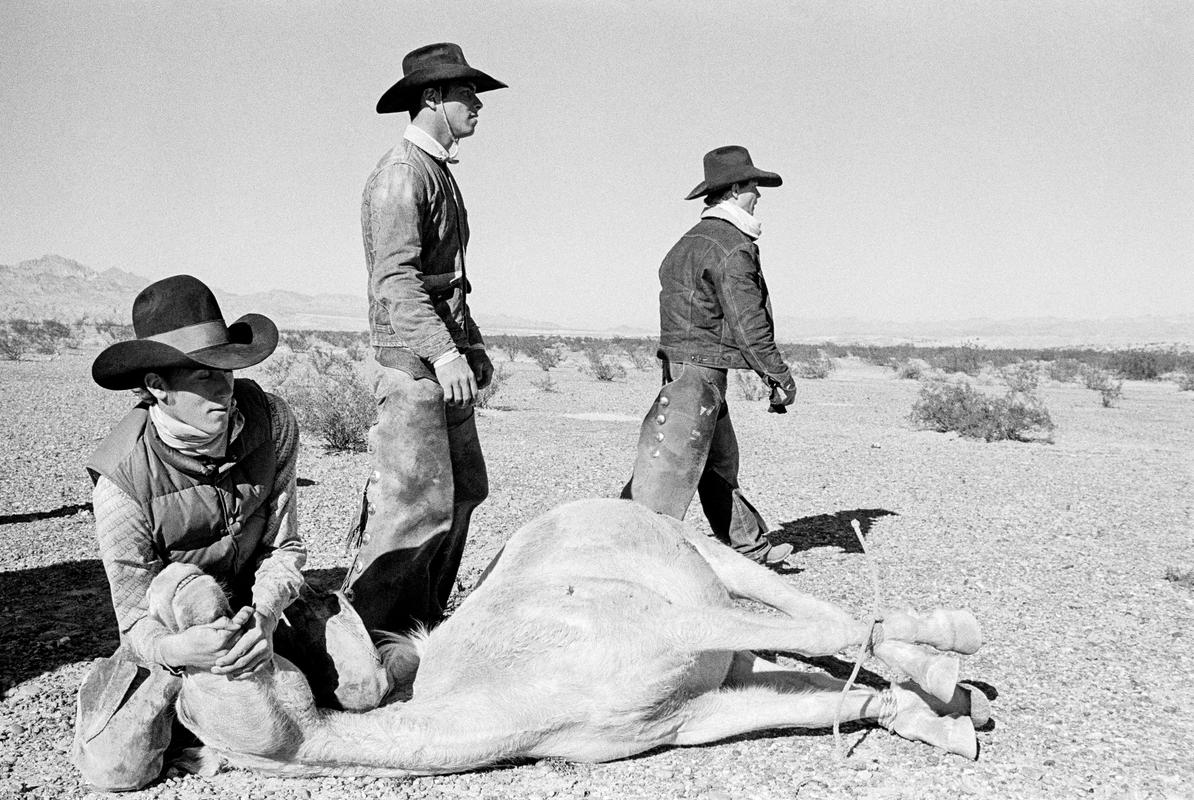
(1061, 549)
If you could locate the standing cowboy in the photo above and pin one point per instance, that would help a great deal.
(714, 315)
(428, 470)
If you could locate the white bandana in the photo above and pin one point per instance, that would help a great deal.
(189, 440)
(737, 216)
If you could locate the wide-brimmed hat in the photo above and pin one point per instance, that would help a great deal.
(178, 324)
(728, 165)
(428, 66)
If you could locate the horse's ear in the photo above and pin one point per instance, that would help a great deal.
(160, 598)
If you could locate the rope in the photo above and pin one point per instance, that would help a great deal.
(866, 645)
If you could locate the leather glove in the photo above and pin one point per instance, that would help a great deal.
(781, 398)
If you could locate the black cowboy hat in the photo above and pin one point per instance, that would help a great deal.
(428, 66)
(178, 324)
(728, 165)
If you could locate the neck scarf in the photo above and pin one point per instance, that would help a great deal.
(737, 216)
(189, 440)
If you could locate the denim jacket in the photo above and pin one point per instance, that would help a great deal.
(415, 230)
(714, 308)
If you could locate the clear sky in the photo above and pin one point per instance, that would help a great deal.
(941, 159)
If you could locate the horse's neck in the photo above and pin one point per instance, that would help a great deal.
(423, 737)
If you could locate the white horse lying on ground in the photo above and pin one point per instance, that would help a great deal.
(602, 630)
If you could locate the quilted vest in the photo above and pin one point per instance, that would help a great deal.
(210, 513)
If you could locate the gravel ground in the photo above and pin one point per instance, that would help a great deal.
(1060, 549)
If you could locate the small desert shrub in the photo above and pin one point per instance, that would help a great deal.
(750, 386)
(817, 368)
(297, 341)
(541, 352)
(1138, 365)
(911, 368)
(602, 366)
(640, 351)
(485, 397)
(1185, 381)
(10, 347)
(960, 407)
(21, 337)
(1023, 377)
(1065, 370)
(327, 394)
(1109, 389)
(545, 384)
(1182, 576)
(966, 358)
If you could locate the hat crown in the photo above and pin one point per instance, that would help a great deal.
(727, 161)
(172, 303)
(433, 55)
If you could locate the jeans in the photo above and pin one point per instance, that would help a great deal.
(732, 518)
(428, 476)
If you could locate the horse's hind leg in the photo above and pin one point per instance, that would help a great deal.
(810, 635)
(774, 698)
(748, 669)
(944, 629)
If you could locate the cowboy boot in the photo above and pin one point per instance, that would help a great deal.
(938, 674)
(955, 630)
(908, 713)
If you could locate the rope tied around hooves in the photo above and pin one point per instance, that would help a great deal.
(868, 643)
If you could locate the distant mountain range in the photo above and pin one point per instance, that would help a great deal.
(53, 287)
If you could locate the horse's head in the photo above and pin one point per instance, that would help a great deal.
(183, 595)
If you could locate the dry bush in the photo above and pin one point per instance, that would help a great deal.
(327, 394)
(960, 407)
(541, 352)
(1109, 389)
(1065, 370)
(966, 358)
(22, 337)
(817, 368)
(911, 368)
(641, 352)
(750, 385)
(602, 366)
(485, 397)
(546, 384)
(1024, 377)
(1185, 381)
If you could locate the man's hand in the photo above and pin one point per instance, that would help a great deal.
(782, 396)
(482, 367)
(458, 382)
(200, 645)
(254, 647)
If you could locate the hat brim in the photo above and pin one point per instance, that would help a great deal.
(251, 340)
(761, 177)
(400, 96)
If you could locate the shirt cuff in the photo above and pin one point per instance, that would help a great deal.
(447, 357)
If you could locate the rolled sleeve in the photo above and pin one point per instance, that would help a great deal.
(743, 298)
(399, 203)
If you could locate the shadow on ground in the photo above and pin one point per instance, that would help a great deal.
(34, 516)
(829, 530)
(55, 615)
(61, 614)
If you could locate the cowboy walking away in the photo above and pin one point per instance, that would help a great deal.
(428, 470)
(714, 315)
